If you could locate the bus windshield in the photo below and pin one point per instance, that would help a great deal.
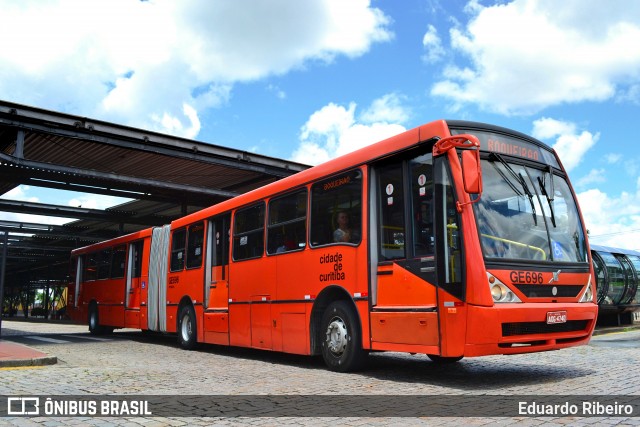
(527, 213)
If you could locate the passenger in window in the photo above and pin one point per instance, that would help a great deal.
(343, 234)
(280, 244)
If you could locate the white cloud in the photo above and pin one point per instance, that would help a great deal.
(335, 130)
(526, 55)
(631, 167)
(174, 125)
(279, 93)
(19, 193)
(387, 109)
(631, 94)
(73, 199)
(594, 176)
(139, 63)
(570, 145)
(34, 219)
(546, 128)
(571, 148)
(94, 201)
(613, 158)
(432, 45)
(618, 227)
(612, 220)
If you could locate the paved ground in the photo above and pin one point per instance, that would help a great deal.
(131, 363)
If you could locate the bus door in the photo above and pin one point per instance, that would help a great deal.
(133, 284)
(451, 289)
(216, 284)
(403, 276)
(78, 281)
(132, 292)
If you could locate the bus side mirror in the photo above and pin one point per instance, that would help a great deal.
(471, 173)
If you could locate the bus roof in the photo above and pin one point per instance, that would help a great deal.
(347, 161)
(402, 141)
(113, 242)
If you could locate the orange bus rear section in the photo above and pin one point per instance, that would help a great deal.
(118, 305)
(262, 270)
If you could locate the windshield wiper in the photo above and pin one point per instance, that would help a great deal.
(530, 195)
(549, 197)
(520, 179)
(504, 177)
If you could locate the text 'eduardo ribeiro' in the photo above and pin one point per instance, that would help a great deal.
(583, 408)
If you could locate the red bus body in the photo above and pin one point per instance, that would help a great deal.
(418, 275)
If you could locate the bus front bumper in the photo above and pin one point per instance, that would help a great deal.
(529, 327)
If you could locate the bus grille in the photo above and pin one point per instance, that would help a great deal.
(529, 328)
(546, 291)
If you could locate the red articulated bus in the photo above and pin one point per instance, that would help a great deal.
(452, 239)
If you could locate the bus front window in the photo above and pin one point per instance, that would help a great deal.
(526, 213)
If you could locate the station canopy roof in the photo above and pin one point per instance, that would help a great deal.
(165, 176)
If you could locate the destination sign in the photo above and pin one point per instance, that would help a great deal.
(339, 181)
(511, 146)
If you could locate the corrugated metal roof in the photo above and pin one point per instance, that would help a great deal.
(168, 176)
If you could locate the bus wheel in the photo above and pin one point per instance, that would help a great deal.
(94, 323)
(187, 336)
(444, 360)
(341, 340)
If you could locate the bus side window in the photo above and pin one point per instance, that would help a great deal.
(248, 233)
(194, 248)
(90, 267)
(287, 223)
(117, 262)
(220, 256)
(421, 187)
(103, 263)
(452, 233)
(137, 258)
(392, 212)
(177, 249)
(336, 206)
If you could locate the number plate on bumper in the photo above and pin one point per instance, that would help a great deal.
(556, 317)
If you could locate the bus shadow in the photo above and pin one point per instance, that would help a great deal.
(299, 361)
(471, 374)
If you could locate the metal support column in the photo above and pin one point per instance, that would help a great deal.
(3, 263)
(19, 151)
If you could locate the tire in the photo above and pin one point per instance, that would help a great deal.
(94, 322)
(444, 360)
(341, 338)
(187, 332)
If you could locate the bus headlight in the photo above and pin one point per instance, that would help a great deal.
(587, 296)
(499, 291)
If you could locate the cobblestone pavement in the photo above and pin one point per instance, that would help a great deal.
(131, 363)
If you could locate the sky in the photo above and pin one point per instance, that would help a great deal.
(311, 80)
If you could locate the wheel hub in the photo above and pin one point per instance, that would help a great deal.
(337, 337)
(186, 328)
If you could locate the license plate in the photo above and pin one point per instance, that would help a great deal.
(556, 317)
